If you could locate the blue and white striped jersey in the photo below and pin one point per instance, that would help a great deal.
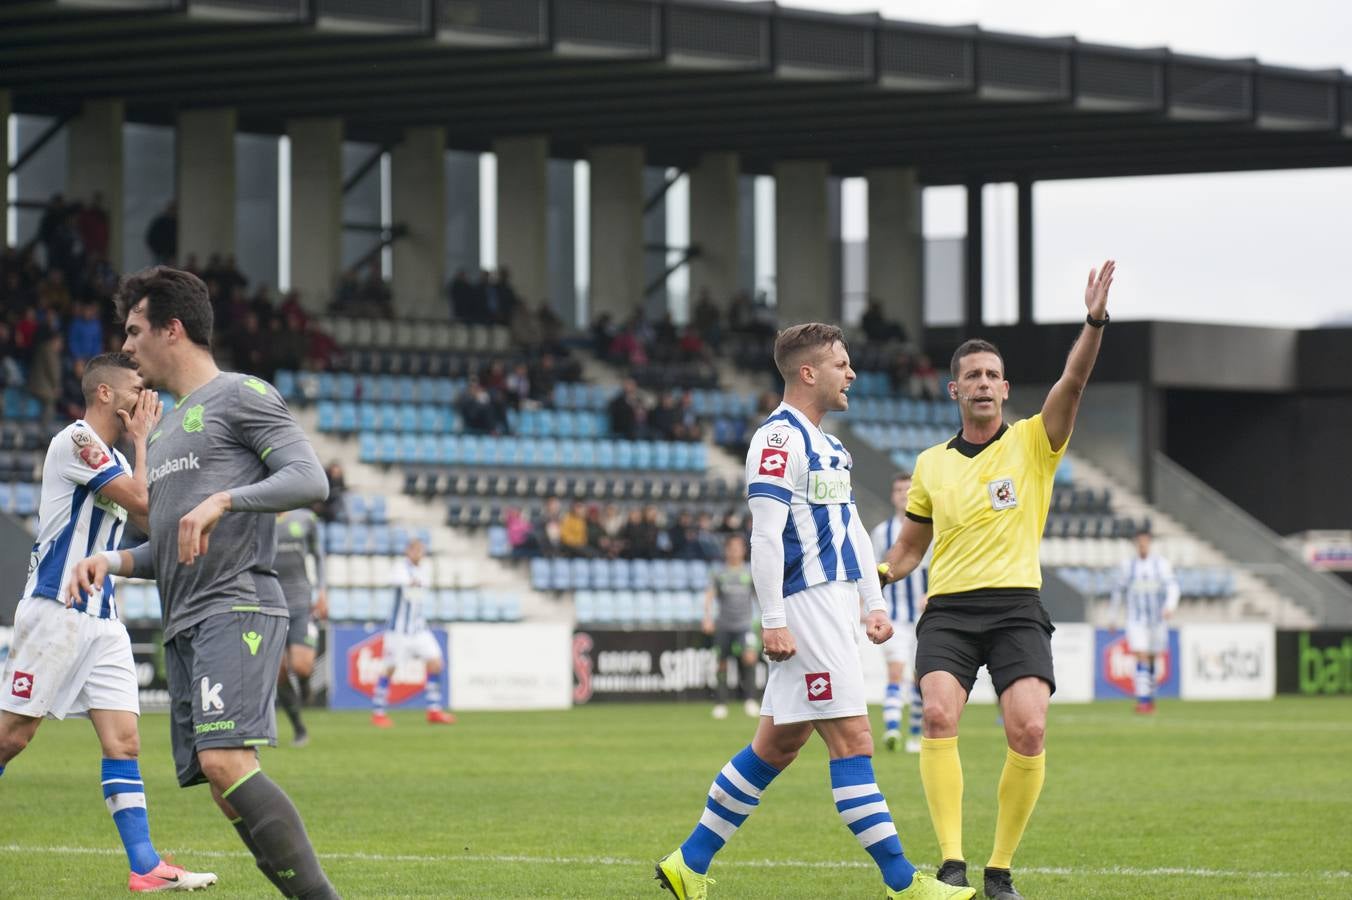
(412, 586)
(903, 597)
(1148, 587)
(73, 520)
(795, 462)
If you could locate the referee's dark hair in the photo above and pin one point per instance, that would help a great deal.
(795, 342)
(967, 348)
(96, 370)
(169, 294)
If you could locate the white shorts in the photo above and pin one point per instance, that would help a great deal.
(404, 648)
(824, 679)
(65, 663)
(1143, 638)
(900, 647)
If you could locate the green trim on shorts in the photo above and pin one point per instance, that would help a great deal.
(245, 608)
(230, 790)
(255, 742)
(262, 457)
(236, 821)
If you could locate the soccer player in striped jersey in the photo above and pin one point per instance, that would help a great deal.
(77, 661)
(408, 640)
(905, 601)
(811, 564)
(1147, 586)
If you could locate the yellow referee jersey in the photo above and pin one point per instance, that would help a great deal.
(988, 504)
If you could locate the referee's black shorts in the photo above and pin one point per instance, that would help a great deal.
(1006, 630)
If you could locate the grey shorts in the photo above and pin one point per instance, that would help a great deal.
(302, 631)
(222, 675)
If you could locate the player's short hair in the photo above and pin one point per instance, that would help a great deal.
(97, 369)
(169, 294)
(902, 475)
(970, 346)
(796, 343)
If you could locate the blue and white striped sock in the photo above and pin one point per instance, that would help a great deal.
(892, 708)
(917, 710)
(733, 796)
(381, 692)
(864, 810)
(1144, 689)
(2, 770)
(125, 795)
(432, 690)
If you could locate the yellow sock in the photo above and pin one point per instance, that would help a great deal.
(941, 773)
(1020, 785)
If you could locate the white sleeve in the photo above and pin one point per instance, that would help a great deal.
(1171, 587)
(775, 462)
(870, 589)
(768, 518)
(83, 460)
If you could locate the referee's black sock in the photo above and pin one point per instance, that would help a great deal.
(278, 832)
(290, 703)
(263, 865)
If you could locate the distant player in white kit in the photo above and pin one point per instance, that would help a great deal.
(905, 602)
(1147, 586)
(811, 563)
(407, 637)
(77, 661)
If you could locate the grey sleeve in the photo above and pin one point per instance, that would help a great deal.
(296, 479)
(142, 561)
(316, 549)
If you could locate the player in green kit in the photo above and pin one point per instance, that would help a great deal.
(734, 630)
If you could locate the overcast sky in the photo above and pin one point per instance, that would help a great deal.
(1245, 248)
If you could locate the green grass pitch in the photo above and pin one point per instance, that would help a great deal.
(1203, 800)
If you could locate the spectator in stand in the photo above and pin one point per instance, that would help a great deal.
(707, 319)
(285, 348)
(637, 541)
(193, 265)
(543, 377)
(321, 348)
(293, 313)
(924, 379)
(85, 334)
(603, 334)
(460, 293)
(494, 378)
(162, 235)
(665, 342)
(525, 329)
(612, 521)
(54, 293)
(100, 281)
(547, 527)
(691, 347)
(489, 300)
(261, 304)
(91, 224)
(10, 370)
(709, 542)
(18, 295)
(684, 536)
(598, 541)
(876, 327)
(664, 421)
(479, 411)
(520, 533)
(346, 294)
(900, 374)
(626, 412)
(573, 530)
(374, 296)
(688, 427)
(551, 328)
(71, 404)
(44, 372)
(248, 346)
(518, 389)
(508, 300)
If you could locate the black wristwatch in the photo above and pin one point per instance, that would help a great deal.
(1096, 323)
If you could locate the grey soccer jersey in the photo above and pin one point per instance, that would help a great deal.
(216, 439)
(736, 597)
(299, 534)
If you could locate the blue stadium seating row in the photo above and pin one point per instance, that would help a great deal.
(903, 437)
(360, 508)
(140, 601)
(19, 498)
(20, 405)
(618, 574)
(639, 607)
(706, 402)
(357, 537)
(314, 386)
(1208, 583)
(513, 452)
(889, 408)
(347, 417)
(872, 384)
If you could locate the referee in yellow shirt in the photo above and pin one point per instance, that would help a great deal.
(983, 498)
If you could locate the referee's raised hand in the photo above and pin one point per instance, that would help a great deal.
(779, 644)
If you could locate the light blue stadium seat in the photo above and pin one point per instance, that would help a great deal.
(447, 605)
(6, 497)
(509, 608)
(359, 538)
(382, 603)
(584, 605)
(600, 574)
(626, 606)
(579, 573)
(539, 574)
(340, 603)
(448, 450)
(560, 575)
(645, 607)
(641, 575)
(336, 538)
(285, 383)
(498, 545)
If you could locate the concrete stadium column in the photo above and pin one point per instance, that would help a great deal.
(418, 195)
(316, 207)
(715, 222)
(896, 247)
(802, 243)
(206, 183)
(616, 230)
(523, 220)
(974, 260)
(94, 164)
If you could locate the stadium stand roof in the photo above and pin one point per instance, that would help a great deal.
(681, 77)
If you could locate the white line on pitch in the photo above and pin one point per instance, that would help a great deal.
(1127, 871)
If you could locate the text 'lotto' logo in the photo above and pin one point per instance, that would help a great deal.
(774, 462)
(364, 662)
(1119, 664)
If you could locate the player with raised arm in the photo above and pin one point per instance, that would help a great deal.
(407, 639)
(75, 659)
(905, 602)
(811, 563)
(1147, 587)
(300, 540)
(220, 466)
(983, 499)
